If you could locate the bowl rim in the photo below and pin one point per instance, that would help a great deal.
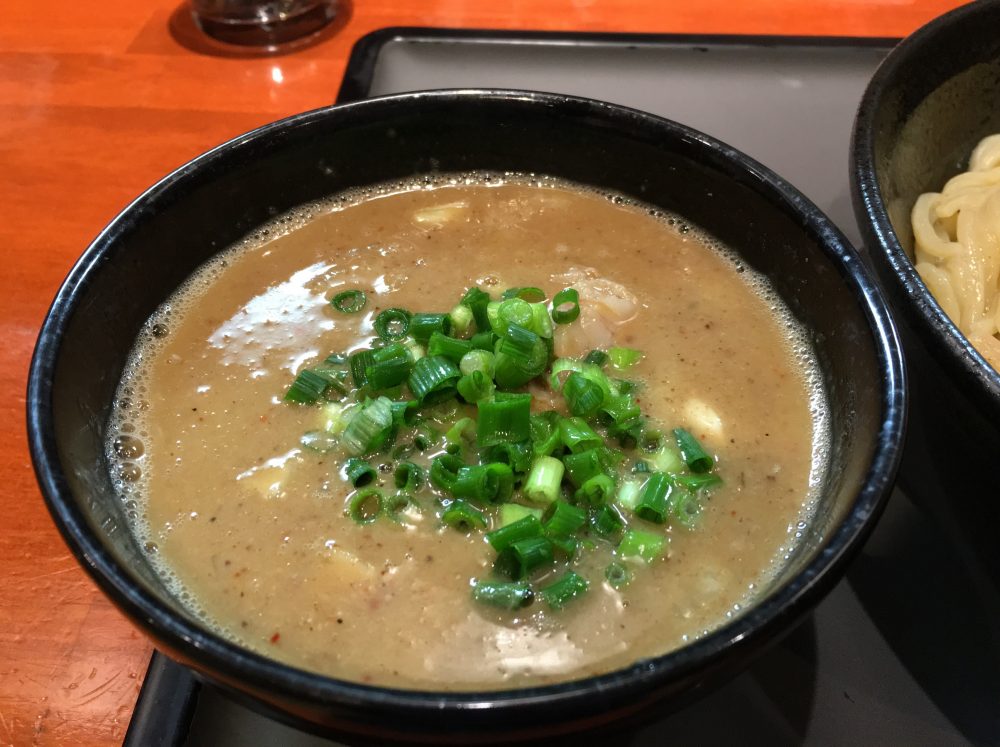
(936, 330)
(215, 654)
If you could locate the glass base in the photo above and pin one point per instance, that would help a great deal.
(261, 30)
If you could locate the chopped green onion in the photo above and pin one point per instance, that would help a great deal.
(566, 545)
(308, 387)
(653, 498)
(395, 503)
(577, 436)
(545, 434)
(405, 412)
(463, 430)
(475, 387)
(417, 351)
(520, 558)
(461, 320)
(520, 356)
(511, 512)
(408, 476)
(542, 485)
(641, 467)
(365, 505)
(561, 592)
(463, 516)
(425, 437)
(506, 419)
(685, 508)
(477, 360)
(349, 301)
(360, 361)
(628, 494)
(560, 367)
(475, 300)
(336, 416)
(525, 528)
(444, 471)
(561, 519)
(488, 482)
(697, 459)
(320, 441)
(390, 366)
(583, 396)
(617, 575)
(450, 347)
(622, 358)
(335, 359)
(645, 545)
(695, 483)
(505, 595)
(422, 326)
(666, 460)
(528, 293)
(484, 341)
(596, 358)
(541, 322)
(370, 427)
(516, 455)
(433, 378)
(565, 306)
(513, 311)
(583, 465)
(392, 324)
(606, 521)
(358, 472)
(596, 491)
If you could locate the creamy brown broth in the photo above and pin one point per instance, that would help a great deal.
(250, 527)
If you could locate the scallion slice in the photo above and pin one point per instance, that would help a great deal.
(565, 306)
(577, 436)
(511, 595)
(392, 324)
(583, 396)
(359, 363)
(524, 528)
(450, 347)
(422, 326)
(349, 301)
(520, 356)
(512, 311)
(628, 494)
(463, 516)
(370, 427)
(307, 388)
(475, 387)
(542, 485)
(695, 483)
(583, 465)
(606, 521)
(433, 378)
(390, 366)
(617, 575)
(520, 558)
(487, 482)
(444, 471)
(562, 519)
(408, 476)
(461, 320)
(484, 341)
(697, 459)
(530, 293)
(516, 455)
(545, 434)
(653, 498)
(596, 357)
(358, 472)
(645, 545)
(666, 459)
(476, 299)
(365, 505)
(685, 508)
(562, 591)
(596, 491)
(511, 512)
(477, 360)
(505, 419)
(623, 358)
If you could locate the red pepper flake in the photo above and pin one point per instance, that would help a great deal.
(275, 637)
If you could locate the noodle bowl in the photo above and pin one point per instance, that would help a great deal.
(957, 246)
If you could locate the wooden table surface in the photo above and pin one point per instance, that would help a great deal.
(97, 101)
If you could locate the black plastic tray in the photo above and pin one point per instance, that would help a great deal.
(906, 650)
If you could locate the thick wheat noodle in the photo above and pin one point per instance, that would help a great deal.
(957, 246)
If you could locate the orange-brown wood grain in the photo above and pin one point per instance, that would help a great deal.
(97, 101)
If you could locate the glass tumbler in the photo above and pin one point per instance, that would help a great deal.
(262, 23)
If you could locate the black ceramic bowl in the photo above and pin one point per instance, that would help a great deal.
(148, 250)
(932, 99)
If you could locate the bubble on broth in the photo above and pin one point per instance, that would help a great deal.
(127, 418)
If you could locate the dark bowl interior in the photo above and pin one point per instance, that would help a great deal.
(933, 98)
(148, 250)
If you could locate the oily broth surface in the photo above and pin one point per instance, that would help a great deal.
(250, 527)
